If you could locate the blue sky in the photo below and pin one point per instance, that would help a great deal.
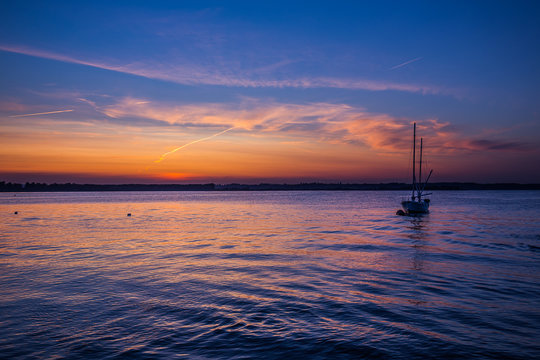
(465, 71)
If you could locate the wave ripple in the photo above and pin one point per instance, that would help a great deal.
(273, 275)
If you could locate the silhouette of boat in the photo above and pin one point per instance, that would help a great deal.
(417, 204)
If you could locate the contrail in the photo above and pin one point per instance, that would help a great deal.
(405, 63)
(43, 113)
(191, 143)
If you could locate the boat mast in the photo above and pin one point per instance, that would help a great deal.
(414, 163)
(420, 172)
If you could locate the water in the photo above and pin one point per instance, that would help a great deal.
(214, 275)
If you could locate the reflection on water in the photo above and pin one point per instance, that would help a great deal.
(419, 237)
(272, 274)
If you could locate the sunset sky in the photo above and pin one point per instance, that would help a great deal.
(268, 91)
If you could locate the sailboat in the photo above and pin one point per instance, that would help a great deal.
(417, 204)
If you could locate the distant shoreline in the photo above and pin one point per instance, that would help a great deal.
(68, 187)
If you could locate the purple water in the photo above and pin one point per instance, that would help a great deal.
(219, 275)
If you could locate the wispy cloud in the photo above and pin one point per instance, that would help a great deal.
(41, 113)
(54, 56)
(13, 105)
(488, 144)
(324, 122)
(405, 63)
(190, 74)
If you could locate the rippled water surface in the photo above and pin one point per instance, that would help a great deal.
(215, 275)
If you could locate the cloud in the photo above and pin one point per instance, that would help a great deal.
(190, 74)
(12, 105)
(54, 56)
(324, 122)
(485, 144)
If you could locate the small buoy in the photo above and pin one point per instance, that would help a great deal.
(129, 214)
(16, 212)
(400, 213)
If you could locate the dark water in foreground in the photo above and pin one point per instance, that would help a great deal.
(269, 275)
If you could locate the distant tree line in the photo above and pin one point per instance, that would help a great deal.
(35, 187)
(32, 186)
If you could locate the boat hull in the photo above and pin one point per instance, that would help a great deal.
(415, 207)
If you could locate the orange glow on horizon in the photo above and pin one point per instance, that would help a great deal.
(319, 142)
(175, 176)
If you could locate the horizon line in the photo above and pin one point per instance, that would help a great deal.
(270, 183)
